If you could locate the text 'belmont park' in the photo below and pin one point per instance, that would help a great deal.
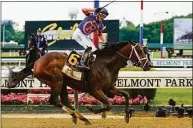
(29, 83)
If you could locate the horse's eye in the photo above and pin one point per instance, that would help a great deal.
(140, 50)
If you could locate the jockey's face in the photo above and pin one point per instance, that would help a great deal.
(101, 17)
(38, 33)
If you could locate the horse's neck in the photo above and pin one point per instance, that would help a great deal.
(113, 63)
(119, 59)
(116, 63)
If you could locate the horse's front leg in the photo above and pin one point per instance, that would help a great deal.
(128, 111)
(68, 107)
(99, 95)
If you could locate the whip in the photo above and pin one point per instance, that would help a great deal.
(108, 4)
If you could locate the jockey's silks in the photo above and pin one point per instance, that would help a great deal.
(39, 40)
(91, 24)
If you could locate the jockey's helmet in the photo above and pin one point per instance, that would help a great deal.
(102, 14)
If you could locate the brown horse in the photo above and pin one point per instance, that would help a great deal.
(100, 80)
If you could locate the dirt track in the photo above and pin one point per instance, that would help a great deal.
(58, 121)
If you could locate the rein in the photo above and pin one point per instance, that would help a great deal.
(127, 58)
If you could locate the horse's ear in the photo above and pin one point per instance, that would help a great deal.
(132, 42)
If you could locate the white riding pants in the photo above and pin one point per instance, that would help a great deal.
(83, 39)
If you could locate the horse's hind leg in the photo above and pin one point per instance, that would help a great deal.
(55, 91)
(68, 107)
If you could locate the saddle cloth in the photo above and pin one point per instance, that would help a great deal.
(72, 73)
(68, 68)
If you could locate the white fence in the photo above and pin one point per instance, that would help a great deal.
(13, 60)
(156, 62)
(172, 62)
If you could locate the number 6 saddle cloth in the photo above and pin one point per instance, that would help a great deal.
(69, 68)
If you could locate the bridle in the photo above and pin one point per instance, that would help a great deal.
(33, 47)
(133, 50)
(31, 42)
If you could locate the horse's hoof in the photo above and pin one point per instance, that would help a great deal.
(129, 115)
(74, 120)
(88, 122)
(127, 119)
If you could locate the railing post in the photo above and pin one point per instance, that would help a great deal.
(76, 100)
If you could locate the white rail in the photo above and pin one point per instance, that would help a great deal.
(13, 60)
(156, 62)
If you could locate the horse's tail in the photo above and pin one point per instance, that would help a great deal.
(15, 77)
(12, 80)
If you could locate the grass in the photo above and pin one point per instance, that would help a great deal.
(133, 69)
(157, 54)
(7, 54)
(180, 95)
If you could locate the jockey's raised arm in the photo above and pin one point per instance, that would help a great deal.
(88, 11)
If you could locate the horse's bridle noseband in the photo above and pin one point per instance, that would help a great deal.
(139, 59)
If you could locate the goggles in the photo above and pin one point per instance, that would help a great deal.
(102, 15)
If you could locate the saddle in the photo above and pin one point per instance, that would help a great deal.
(70, 66)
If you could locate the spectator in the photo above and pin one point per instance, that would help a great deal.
(41, 42)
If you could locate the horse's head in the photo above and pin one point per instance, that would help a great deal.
(137, 54)
(146, 51)
(31, 40)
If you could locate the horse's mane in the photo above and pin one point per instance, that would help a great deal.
(111, 49)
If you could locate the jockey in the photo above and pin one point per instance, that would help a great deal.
(91, 23)
(41, 42)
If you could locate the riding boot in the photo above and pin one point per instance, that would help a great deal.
(81, 66)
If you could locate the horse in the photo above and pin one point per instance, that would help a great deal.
(100, 80)
(33, 55)
(34, 52)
